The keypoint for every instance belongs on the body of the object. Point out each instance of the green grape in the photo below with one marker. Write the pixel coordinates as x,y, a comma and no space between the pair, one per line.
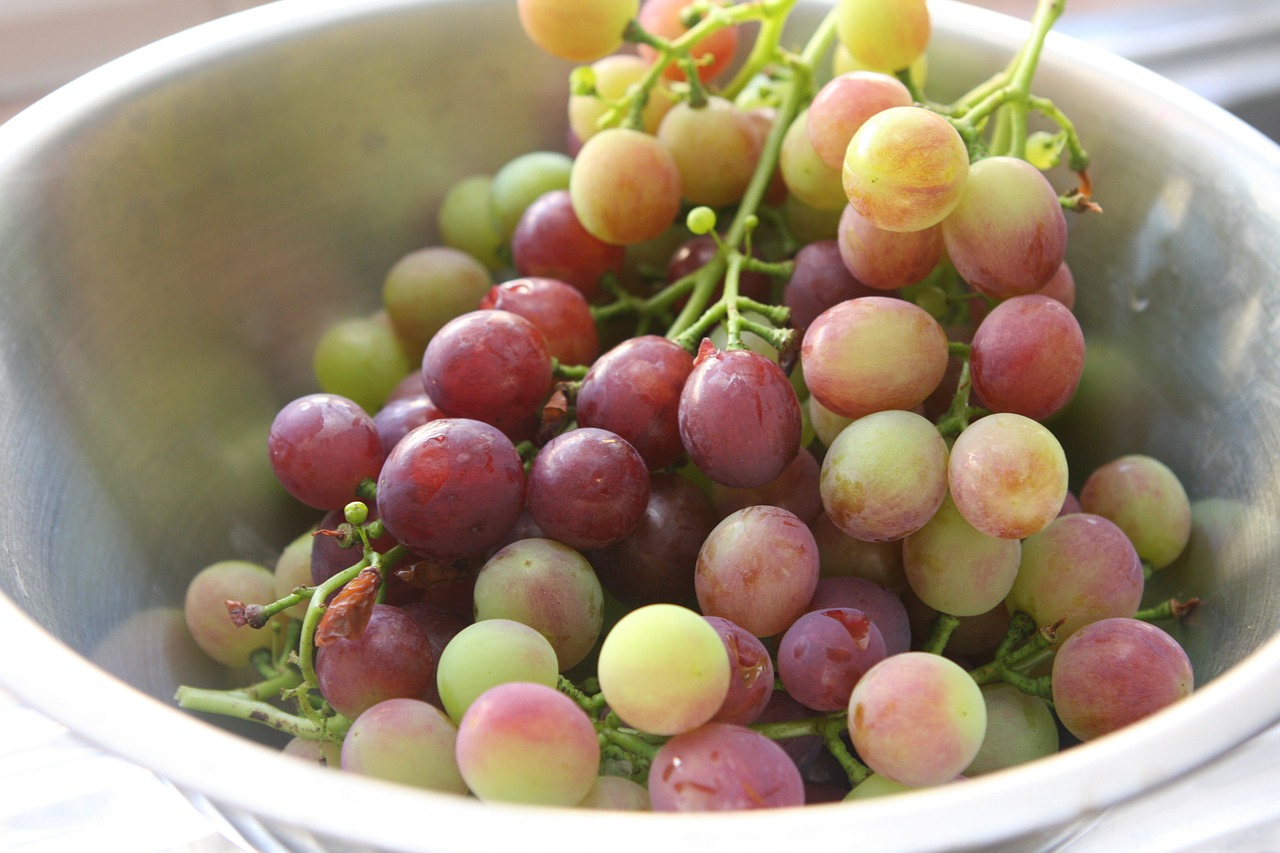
520,182
427,288
362,359
465,221
491,652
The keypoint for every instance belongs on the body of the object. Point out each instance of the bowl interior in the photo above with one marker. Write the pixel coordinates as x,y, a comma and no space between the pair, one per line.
177,227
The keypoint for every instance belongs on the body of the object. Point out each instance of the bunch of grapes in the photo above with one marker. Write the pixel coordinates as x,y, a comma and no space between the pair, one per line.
708,463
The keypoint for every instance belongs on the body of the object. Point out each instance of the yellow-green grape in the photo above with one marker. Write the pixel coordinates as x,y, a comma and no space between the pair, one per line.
361,359
466,223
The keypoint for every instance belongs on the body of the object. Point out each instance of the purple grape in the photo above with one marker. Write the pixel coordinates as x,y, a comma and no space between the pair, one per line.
883,607
322,446
751,684
559,310
391,659
723,767
451,488
398,416
824,653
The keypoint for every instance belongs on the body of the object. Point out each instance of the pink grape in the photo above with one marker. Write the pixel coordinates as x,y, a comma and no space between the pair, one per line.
634,391
713,148
917,718
843,104
905,169
1008,234
490,366
713,54
804,173
399,416
723,767
577,30
557,309
626,185
1145,499
521,742
795,489
548,586
407,741
887,260
873,353
758,569
957,569
824,653
391,659
751,674
884,476
550,242
1027,356
739,417
588,488
1008,475
451,488
612,76
321,447
1115,672
882,606
1079,569
205,610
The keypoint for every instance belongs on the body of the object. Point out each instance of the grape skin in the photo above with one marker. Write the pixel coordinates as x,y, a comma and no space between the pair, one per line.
884,35
956,568
205,611
321,447
1145,498
825,652
751,670
1027,356
391,659
626,186
490,652
557,309
721,767
577,30
714,148
406,741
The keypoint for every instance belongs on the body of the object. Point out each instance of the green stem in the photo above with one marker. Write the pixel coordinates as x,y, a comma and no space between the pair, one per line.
230,703
852,767
765,47
944,625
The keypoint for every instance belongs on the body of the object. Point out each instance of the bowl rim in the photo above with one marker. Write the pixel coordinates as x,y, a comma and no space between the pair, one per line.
1051,792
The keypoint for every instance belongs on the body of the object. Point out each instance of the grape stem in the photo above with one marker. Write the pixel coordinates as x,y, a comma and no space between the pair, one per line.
944,625
1023,647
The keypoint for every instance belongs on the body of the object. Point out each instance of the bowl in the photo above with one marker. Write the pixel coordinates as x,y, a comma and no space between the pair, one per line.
177,226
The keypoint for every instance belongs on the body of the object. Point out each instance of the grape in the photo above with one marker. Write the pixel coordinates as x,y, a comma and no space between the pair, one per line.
521,182
843,104
758,569
739,417
826,423
391,659
663,669
809,224
751,674
1008,475
626,185
451,488
807,177
360,358
521,742
873,353
713,53
715,150
557,309
548,586
321,447
490,366
324,753
1008,234
1061,286
634,390
905,169
1020,728
1079,569
917,718
824,653
465,221
723,767
488,653
655,562
887,260
293,570
205,610
1146,500
441,623
883,35
957,569
883,607
406,741
612,76
876,785
577,30
795,490
427,288
884,476
588,488
398,417
818,281
330,554
550,242
841,555
617,794
1115,672
1027,356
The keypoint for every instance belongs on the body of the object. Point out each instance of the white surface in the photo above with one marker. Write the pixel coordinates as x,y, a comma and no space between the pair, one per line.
59,794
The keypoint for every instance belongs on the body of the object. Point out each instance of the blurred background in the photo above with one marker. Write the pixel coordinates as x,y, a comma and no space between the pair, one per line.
1225,50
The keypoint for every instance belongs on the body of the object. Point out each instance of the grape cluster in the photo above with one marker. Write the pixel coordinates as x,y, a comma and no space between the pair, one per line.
709,463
